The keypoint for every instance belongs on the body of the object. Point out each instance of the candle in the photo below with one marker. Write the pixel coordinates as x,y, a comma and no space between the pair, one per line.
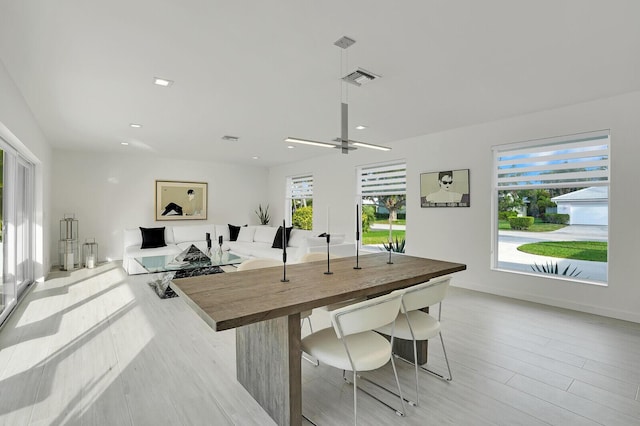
90,261
220,240
328,221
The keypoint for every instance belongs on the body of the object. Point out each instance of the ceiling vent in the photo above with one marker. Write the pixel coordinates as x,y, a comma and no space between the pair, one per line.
230,138
360,76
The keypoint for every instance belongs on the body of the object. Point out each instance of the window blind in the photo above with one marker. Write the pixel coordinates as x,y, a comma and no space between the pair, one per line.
380,180
569,161
300,187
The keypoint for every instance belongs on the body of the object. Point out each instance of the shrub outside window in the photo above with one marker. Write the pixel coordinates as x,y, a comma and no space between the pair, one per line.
299,201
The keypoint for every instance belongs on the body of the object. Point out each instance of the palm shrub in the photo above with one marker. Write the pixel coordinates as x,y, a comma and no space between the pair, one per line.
302,218
263,215
398,247
552,268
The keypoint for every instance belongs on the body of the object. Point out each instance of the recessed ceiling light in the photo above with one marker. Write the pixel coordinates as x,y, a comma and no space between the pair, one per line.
361,127
162,82
124,143
255,157
290,146
135,125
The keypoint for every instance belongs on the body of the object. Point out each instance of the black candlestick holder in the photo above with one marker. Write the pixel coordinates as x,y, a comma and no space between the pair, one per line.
390,262
357,251
328,256
284,253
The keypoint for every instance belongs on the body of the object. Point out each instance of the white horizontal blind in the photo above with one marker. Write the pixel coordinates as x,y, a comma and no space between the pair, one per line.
569,161
381,180
300,187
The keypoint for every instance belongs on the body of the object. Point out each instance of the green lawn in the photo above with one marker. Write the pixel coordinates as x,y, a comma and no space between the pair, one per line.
594,251
536,227
381,236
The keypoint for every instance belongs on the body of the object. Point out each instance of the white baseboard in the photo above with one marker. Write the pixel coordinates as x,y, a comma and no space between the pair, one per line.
597,310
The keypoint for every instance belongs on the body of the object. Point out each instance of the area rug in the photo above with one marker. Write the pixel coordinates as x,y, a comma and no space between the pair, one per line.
162,286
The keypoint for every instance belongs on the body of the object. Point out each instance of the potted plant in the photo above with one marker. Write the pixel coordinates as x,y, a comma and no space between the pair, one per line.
263,215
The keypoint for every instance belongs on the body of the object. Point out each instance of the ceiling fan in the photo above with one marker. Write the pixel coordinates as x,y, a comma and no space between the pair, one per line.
343,142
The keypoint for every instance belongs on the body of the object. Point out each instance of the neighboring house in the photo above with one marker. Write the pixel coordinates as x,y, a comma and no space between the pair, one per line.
588,206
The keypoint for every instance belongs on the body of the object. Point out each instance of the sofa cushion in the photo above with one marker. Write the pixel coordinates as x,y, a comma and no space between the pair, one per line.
246,234
152,238
222,231
192,233
298,237
265,234
277,240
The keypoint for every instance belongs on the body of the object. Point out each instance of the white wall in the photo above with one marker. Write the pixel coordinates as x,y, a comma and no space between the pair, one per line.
464,234
20,129
109,193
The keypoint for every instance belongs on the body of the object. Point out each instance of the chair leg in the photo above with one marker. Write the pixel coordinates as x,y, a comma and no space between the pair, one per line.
355,398
425,369
446,358
415,364
310,359
398,412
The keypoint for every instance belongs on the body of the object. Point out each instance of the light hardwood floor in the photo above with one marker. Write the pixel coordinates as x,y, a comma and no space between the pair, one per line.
96,347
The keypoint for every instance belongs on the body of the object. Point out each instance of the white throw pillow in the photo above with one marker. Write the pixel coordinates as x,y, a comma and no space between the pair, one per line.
222,230
246,234
265,234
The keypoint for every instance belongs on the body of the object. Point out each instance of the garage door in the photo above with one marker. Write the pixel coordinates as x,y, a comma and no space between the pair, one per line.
589,214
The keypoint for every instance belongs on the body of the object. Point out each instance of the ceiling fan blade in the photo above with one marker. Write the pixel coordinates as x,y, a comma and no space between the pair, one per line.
311,142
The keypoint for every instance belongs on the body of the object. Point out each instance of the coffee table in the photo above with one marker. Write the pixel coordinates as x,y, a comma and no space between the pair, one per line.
153,264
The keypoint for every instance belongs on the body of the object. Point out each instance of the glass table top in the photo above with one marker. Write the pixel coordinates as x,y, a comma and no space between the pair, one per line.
168,263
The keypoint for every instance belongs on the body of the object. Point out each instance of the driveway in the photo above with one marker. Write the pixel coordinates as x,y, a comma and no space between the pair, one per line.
511,258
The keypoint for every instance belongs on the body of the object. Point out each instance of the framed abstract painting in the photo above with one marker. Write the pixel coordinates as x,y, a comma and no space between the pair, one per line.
446,188
176,200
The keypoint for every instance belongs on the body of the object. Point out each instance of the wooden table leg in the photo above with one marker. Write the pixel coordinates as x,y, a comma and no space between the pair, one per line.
404,349
268,366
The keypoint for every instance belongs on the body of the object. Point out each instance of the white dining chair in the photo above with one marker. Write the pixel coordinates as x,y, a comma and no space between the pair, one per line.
317,256
351,344
414,324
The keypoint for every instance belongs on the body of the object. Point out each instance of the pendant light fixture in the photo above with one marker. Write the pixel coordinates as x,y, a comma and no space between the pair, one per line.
357,78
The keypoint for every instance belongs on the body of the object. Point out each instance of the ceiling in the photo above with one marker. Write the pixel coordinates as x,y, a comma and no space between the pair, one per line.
263,71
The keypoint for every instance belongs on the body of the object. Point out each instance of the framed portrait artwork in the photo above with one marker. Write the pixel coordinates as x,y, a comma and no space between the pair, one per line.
181,200
446,188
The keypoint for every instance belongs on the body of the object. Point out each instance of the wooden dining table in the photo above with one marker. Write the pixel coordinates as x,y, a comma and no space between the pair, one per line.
265,311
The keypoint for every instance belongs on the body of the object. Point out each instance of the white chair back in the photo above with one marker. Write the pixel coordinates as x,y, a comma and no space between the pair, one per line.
366,315
315,256
258,262
425,294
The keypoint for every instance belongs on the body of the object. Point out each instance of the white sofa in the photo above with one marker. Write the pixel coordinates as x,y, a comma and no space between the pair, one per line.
253,241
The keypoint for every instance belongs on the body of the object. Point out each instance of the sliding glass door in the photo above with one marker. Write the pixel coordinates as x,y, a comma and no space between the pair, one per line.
16,200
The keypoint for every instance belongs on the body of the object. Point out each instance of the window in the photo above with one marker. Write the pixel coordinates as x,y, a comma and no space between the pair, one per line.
382,189
300,201
16,210
551,199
